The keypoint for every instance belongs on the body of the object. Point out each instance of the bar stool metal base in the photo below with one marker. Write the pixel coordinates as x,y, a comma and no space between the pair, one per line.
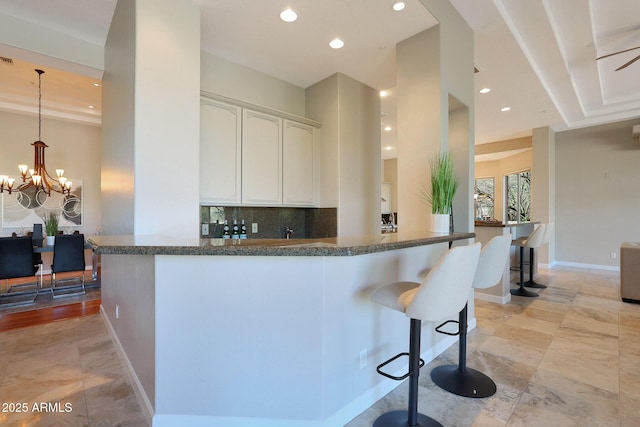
399,419
532,283
470,383
522,292
535,285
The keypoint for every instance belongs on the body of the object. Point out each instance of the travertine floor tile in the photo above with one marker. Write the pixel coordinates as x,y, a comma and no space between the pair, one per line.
68,374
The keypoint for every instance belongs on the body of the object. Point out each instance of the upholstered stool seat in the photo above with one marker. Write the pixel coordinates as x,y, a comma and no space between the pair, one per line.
442,294
532,241
460,379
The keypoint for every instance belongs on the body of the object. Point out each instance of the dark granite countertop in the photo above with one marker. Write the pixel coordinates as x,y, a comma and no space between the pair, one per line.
500,224
336,246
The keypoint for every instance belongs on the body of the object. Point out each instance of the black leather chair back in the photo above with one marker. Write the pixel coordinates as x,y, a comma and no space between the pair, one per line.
68,253
16,257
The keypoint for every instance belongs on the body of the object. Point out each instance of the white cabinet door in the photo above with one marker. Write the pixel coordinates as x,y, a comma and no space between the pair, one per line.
261,158
297,164
220,152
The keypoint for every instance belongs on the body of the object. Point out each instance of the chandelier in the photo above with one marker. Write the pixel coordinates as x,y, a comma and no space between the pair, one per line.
38,179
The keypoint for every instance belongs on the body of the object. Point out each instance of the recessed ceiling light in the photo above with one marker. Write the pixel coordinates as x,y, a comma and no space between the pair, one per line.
96,84
505,109
383,93
387,128
288,15
91,106
336,43
485,90
389,148
399,5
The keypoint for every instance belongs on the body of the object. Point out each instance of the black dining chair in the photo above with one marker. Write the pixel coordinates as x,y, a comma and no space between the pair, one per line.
68,256
18,260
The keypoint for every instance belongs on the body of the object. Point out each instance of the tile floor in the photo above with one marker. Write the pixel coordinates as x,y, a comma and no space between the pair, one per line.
568,358
72,363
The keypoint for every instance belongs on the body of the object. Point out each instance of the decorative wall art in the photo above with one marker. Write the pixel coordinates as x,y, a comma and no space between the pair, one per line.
23,209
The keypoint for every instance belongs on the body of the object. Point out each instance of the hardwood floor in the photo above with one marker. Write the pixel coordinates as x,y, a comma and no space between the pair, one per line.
42,313
40,316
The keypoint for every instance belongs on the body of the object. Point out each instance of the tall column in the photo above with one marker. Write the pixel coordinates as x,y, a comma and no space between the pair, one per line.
435,113
419,130
150,131
543,184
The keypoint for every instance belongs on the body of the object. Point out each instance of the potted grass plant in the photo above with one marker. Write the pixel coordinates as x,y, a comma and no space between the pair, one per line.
51,227
443,189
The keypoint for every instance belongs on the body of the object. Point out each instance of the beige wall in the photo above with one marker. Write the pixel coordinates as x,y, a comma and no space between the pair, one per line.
597,193
72,146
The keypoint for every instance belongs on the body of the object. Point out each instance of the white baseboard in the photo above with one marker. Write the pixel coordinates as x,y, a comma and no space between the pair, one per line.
145,404
585,266
492,298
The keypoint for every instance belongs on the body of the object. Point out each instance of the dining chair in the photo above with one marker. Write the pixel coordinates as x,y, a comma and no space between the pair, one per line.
17,260
68,256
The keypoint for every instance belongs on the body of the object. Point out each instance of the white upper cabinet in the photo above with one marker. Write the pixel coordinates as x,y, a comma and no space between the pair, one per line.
220,152
261,159
298,172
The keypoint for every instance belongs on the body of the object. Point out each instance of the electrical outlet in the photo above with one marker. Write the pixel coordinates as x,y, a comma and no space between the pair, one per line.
363,358
117,311
254,227
614,255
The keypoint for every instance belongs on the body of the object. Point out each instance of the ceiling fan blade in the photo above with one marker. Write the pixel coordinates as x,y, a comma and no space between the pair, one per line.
628,63
617,53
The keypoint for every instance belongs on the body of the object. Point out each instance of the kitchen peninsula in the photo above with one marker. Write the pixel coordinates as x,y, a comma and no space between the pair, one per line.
269,332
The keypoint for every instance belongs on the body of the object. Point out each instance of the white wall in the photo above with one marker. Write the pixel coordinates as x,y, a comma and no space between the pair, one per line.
597,187
27,40
432,67
390,174
72,146
151,119
134,325
167,118
245,84
349,151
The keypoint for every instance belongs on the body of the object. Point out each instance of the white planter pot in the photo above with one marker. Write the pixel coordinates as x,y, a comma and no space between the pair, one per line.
439,223
51,240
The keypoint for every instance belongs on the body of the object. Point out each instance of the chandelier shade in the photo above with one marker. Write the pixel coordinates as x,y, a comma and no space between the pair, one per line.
37,179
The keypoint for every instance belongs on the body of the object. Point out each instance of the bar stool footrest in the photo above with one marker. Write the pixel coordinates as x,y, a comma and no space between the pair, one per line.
386,362
453,334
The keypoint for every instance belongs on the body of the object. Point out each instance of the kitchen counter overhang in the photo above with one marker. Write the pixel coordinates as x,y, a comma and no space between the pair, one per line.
333,246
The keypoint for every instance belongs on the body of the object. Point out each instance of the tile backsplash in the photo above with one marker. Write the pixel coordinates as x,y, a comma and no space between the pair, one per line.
272,222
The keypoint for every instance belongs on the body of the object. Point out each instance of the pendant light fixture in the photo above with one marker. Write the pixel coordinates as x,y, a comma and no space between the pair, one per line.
38,179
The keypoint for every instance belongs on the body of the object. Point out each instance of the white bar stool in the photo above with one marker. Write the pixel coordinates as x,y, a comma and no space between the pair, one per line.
459,379
442,294
548,231
532,241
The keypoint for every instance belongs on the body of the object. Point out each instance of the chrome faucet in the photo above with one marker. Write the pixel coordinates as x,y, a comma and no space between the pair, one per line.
288,231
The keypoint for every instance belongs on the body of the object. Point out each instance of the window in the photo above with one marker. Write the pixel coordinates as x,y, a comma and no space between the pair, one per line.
483,195
518,196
